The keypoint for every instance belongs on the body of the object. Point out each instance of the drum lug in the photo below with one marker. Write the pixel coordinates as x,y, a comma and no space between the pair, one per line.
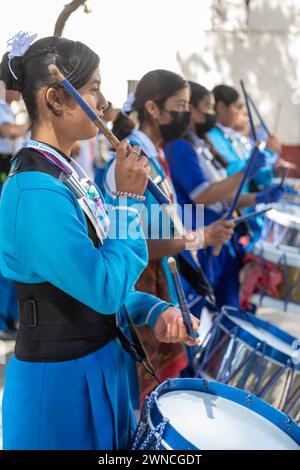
288,422
249,398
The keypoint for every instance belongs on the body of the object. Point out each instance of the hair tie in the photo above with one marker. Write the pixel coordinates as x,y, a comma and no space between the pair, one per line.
17,46
128,105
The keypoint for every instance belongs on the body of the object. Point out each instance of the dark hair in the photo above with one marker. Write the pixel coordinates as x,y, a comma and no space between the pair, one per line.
198,92
225,93
158,86
123,126
76,60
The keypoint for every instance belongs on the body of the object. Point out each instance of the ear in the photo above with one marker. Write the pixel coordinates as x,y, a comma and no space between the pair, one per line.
152,109
56,99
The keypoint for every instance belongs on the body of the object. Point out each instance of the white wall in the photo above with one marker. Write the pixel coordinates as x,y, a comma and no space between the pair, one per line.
266,57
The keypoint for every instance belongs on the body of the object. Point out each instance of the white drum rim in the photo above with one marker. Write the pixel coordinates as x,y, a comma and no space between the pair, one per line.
271,253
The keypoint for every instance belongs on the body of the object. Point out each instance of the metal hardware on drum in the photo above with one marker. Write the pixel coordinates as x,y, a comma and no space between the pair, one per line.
249,353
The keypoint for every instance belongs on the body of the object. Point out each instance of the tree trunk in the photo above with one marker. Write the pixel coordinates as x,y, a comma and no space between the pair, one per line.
64,16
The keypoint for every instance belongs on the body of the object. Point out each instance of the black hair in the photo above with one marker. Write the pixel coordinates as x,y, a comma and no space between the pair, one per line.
157,85
74,59
123,125
198,92
226,94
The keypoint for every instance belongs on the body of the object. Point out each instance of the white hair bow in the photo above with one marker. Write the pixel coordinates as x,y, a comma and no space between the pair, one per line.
18,45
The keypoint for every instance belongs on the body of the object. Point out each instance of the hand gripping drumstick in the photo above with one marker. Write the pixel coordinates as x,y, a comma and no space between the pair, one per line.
53,70
185,311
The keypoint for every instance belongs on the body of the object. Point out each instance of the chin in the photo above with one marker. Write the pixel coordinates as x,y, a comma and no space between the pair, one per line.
87,134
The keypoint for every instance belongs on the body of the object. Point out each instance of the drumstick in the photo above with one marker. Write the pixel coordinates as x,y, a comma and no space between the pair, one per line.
262,122
185,311
53,70
245,217
283,175
277,117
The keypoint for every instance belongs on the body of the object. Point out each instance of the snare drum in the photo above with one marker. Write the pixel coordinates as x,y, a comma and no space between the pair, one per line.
247,352
193,414
287,259
282,225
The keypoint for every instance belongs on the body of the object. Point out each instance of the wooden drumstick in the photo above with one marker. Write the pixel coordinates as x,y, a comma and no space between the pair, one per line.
185,311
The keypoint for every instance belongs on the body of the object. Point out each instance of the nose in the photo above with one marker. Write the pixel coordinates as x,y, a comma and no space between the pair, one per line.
101,103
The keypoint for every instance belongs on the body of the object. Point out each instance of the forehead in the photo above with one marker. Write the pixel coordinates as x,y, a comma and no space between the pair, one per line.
95,76
181,95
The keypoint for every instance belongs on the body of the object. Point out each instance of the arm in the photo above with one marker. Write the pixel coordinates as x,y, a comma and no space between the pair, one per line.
145,308
220,190
52,241
159,248
247,200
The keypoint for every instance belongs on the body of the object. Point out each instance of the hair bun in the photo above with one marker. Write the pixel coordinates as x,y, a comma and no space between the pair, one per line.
6,75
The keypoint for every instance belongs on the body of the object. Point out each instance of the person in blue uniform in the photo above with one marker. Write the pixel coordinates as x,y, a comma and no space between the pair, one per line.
199,177
161,102
231,144
10,133
67,387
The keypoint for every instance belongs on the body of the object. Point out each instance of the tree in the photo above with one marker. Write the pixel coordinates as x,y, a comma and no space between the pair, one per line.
66,13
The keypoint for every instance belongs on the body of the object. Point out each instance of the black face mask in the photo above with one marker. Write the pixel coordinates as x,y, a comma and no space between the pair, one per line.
180,121
203,128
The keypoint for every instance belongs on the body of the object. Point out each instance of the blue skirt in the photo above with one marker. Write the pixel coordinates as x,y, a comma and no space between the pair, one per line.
79,404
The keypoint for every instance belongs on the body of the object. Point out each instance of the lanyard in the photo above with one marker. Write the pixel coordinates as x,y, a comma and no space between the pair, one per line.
86,192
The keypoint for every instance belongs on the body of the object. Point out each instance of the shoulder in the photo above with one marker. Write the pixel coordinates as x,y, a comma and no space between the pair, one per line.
215,131
35,178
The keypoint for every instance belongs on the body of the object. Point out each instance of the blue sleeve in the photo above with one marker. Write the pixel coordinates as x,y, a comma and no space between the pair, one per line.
220,143
51,239
185,169
145,308
236,166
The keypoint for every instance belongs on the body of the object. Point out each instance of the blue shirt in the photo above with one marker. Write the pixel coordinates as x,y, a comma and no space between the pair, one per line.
44,237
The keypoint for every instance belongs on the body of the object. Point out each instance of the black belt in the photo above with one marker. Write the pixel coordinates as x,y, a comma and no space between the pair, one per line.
56,327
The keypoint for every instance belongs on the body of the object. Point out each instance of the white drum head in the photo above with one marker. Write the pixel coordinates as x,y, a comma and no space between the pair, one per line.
210,422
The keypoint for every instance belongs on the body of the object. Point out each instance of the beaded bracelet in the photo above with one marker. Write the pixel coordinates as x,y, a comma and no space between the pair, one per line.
126,194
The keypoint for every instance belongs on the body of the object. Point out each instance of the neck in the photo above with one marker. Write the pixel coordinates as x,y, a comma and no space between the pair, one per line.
223,121
192,127
153,133
48,136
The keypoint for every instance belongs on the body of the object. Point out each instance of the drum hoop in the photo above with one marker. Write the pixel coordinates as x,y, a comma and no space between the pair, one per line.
274,254
269,351
292,224
172,438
